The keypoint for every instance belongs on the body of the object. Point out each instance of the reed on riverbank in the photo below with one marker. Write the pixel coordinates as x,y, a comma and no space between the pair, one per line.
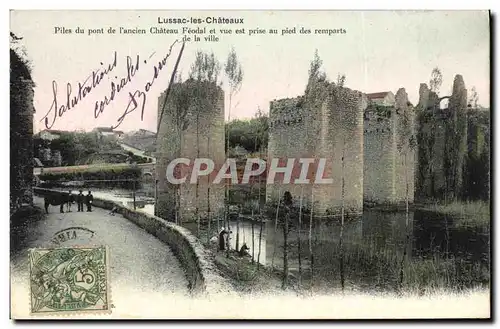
471,213
369,268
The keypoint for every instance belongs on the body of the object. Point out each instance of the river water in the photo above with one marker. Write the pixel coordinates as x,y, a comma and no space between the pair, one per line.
380,250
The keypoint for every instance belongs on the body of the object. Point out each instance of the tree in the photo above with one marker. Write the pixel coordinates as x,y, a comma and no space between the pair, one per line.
341,80
299,242
251,134
205,69
436,80
311,254
315,73
261,224
276,225
473,98
21,125
287,202
234,75
342,221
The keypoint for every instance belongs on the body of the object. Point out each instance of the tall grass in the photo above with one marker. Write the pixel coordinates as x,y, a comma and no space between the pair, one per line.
472,213
368,267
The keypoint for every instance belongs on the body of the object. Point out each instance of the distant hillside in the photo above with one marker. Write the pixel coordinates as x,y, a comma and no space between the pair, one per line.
141,139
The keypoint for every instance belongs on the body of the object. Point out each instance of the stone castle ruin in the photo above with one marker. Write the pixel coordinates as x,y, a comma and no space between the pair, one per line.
192,126
325,123
379,148
453,147
392,151
389,150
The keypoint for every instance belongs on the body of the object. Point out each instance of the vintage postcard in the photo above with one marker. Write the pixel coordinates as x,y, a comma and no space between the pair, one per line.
250,164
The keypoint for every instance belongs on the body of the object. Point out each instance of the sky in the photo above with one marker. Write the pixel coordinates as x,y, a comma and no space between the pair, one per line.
379,51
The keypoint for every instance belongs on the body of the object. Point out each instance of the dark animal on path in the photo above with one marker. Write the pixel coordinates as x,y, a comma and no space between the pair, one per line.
55,200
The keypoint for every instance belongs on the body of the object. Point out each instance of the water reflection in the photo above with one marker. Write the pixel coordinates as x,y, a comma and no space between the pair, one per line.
438,253
251,240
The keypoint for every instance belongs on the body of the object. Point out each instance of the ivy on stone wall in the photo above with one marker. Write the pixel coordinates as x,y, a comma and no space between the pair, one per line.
453,159
21,127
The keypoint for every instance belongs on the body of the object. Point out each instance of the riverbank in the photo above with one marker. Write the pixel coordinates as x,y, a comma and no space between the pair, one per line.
472,213
246,277
465,213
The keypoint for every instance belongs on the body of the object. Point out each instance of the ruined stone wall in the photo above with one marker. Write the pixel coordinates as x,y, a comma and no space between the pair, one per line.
379,155
406,144
343,147
192,127
431,124
442,144
287,139
456,140
389,150
327,123
477,178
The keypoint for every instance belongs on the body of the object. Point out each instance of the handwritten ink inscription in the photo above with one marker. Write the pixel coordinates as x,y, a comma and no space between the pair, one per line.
136,99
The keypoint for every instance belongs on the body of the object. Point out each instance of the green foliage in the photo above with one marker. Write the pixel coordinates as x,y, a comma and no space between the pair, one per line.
374,269
205,67
381,110
21,125
436,80
234,72
315,68
200,90
109,177
473,98
341,80
476,213
76,147
475,151
182,98
316,76
251,134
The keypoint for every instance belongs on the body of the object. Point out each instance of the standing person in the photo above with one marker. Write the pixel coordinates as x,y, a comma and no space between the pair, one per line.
223,238
89,198
71,199
79,199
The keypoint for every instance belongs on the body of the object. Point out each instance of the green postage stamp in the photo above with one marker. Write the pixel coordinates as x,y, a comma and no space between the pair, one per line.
67,280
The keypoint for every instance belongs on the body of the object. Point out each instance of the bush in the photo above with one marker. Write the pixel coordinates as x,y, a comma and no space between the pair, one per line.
104,177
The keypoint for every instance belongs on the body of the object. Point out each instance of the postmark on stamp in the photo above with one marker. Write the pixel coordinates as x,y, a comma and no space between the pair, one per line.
69,280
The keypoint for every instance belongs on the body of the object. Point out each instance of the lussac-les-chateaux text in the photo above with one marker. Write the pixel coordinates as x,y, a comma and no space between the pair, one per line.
200,20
